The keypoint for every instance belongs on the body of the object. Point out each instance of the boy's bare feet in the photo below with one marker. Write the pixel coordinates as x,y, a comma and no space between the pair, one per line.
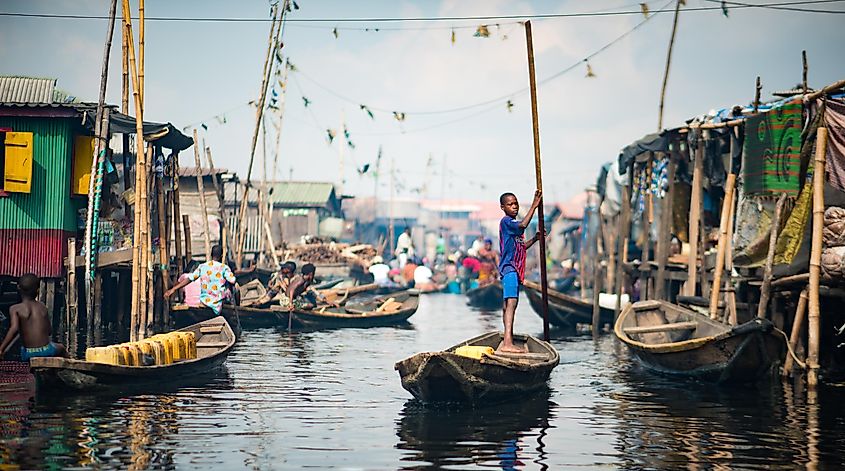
511,349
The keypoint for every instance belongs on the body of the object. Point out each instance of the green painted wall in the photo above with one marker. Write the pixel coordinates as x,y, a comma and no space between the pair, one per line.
49,205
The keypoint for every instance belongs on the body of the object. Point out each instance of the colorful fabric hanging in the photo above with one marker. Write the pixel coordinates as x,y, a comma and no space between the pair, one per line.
772,152
834,120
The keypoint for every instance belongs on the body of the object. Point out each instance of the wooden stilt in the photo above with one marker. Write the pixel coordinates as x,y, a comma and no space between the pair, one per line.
621,248
201,190
766,288
694,218
98,305
814,326
186,226
722,247
665,233
177,215
795,334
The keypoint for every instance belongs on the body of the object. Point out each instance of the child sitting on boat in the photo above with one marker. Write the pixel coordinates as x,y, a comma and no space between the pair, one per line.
512,245
300,292
213,276
30,319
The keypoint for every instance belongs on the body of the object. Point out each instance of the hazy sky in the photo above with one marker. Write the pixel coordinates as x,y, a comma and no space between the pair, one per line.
197,70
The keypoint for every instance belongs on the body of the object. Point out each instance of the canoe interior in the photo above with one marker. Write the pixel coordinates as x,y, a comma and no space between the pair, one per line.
488,296
215,339
681,324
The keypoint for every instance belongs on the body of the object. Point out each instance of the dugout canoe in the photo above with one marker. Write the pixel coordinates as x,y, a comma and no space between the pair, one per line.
366,314
185,316
676,341
447,377
215,339
488,296
564,310
256,317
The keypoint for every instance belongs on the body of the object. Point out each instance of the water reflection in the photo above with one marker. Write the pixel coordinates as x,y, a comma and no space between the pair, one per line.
507,435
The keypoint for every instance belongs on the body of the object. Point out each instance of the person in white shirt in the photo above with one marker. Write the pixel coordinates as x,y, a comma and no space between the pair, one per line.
404,247
380,271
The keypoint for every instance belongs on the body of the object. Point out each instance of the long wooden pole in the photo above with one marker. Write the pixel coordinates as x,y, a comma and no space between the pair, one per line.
694,218
95,177
225,242
668,64
539,176
201,190
621,242
766,288
177,215
259,114
140,169
141,43
146,255
814,326
186,227
665,233
721,248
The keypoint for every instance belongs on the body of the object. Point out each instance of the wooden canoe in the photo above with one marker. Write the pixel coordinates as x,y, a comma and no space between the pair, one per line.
256,317
185,316
360,315
673,340
215,339
448,377
488,296
564,310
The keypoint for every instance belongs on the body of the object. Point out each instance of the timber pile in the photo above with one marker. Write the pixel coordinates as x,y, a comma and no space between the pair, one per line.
332,253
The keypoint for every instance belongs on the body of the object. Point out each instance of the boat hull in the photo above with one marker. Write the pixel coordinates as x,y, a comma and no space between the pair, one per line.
364,318
186,316
60,374
434,377
486,297
565,311
257,318
672,340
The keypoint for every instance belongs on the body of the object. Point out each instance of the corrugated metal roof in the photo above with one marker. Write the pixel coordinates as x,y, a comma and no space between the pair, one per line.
310,194
27,90
32,251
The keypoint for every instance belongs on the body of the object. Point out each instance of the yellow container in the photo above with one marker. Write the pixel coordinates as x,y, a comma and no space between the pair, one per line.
110,355
125,354
474,351
149,348
190,342
135,354
170,347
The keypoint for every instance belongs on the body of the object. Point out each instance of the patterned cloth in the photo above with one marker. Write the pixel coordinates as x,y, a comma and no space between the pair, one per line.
213,276
772,152
512,248
834,120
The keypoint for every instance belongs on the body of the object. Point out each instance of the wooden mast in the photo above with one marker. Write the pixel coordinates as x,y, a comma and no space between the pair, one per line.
539,177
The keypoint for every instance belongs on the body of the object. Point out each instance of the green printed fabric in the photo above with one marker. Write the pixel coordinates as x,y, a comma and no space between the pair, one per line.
792,235
771,157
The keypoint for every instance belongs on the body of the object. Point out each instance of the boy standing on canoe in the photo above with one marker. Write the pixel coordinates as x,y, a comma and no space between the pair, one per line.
31,320
512,246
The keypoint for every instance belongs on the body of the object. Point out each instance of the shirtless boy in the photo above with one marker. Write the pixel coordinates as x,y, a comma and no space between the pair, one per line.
512,246
30,319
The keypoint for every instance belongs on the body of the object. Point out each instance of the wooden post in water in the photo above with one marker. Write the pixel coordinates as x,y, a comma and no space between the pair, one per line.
694,215
140,171
795,335
177,215
201,190
186,225
539,176
766,288
664,238
814,326
621,243
721,249
71,295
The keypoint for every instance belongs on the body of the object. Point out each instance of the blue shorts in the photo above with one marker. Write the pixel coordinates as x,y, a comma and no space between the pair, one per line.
48,350
510,285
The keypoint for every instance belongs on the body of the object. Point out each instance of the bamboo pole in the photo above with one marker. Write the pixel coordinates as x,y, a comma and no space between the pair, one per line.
539,177
201,190
95,177
71,293
140,169
757,89
146,249
177,214
814,326
186,226
259,114
766,288
164,259
218,190
665,236
795,334
596,277
721,248
804,71
621,242
668,63
694,218
730,293
141,42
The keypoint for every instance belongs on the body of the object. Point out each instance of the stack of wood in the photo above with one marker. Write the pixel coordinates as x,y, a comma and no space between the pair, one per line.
391,305
326,254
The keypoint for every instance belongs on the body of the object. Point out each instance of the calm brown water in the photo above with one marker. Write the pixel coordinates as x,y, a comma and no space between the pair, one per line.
331,400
